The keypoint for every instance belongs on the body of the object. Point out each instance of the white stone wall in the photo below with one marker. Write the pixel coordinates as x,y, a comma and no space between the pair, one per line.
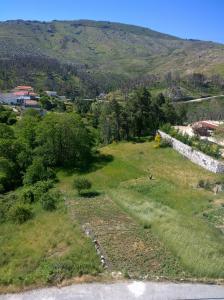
195,156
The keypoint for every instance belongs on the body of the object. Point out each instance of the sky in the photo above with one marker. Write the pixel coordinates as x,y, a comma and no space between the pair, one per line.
197,19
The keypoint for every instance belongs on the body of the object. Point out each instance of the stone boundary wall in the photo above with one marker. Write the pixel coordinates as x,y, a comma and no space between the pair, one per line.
199,158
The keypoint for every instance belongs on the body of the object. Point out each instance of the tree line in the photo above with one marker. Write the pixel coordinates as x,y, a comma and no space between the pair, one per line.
139,115
35,146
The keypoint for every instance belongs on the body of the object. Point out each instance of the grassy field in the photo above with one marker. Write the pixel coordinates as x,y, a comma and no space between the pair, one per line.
170,204
45,250
164,227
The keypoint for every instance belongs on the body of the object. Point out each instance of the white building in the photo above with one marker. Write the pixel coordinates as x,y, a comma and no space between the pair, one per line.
51,93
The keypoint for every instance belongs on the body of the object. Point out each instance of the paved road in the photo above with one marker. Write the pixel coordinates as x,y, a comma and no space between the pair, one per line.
201,99
124,291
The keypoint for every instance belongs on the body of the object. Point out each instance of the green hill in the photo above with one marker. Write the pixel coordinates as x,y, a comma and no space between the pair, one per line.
106,47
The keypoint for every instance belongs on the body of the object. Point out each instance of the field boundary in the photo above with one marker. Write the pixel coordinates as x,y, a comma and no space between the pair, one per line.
197,157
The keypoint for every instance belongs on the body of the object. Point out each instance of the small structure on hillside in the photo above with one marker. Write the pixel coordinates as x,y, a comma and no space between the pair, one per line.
51,93
30,104
19,95
205,128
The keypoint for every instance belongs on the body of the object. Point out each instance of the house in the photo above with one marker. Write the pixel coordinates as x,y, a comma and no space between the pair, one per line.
23,88
25,91
205,128
31,104
51,93
19,95
9,98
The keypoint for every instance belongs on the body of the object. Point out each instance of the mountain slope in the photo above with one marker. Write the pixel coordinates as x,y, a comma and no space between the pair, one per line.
107,47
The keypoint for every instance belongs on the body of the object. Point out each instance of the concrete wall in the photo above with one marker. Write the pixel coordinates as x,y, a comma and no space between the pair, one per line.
195,156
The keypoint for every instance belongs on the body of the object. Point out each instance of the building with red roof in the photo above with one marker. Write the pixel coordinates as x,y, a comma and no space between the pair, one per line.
24,88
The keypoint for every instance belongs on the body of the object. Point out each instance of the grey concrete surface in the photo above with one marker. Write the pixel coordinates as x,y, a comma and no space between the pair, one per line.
124,291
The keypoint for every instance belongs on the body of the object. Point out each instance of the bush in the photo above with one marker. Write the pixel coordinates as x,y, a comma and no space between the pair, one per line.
49,201
41,187
81,184
37,172
201,183
205,184
165,144
158,140
6,202
27,196
20,213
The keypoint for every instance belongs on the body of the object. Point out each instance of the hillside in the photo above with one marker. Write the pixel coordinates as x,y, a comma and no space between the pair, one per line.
109,48
161,228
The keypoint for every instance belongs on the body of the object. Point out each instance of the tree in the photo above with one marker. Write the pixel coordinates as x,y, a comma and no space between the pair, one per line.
170,115
27,126
64,140
110,122
140,112
6,132
38,171
81,184
7,115
7,175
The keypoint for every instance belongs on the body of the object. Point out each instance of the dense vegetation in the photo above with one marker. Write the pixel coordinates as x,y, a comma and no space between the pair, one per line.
34,146
86,58
139,115
109,48
44,73
39,243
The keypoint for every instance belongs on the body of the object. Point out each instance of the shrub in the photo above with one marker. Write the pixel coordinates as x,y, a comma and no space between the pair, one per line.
205,184
28,196
6,202
49,201
20,213
201,183
81,184
41,187
37,171
158,140
165,144
59,270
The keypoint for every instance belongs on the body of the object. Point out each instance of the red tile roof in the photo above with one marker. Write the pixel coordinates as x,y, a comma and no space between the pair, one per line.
208,125
24,87
21,93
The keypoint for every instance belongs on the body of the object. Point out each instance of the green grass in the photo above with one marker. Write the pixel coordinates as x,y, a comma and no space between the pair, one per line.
45,250
161,227
171,203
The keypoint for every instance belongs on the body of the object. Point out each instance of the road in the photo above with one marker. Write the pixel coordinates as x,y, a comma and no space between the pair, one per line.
202,99
129,290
